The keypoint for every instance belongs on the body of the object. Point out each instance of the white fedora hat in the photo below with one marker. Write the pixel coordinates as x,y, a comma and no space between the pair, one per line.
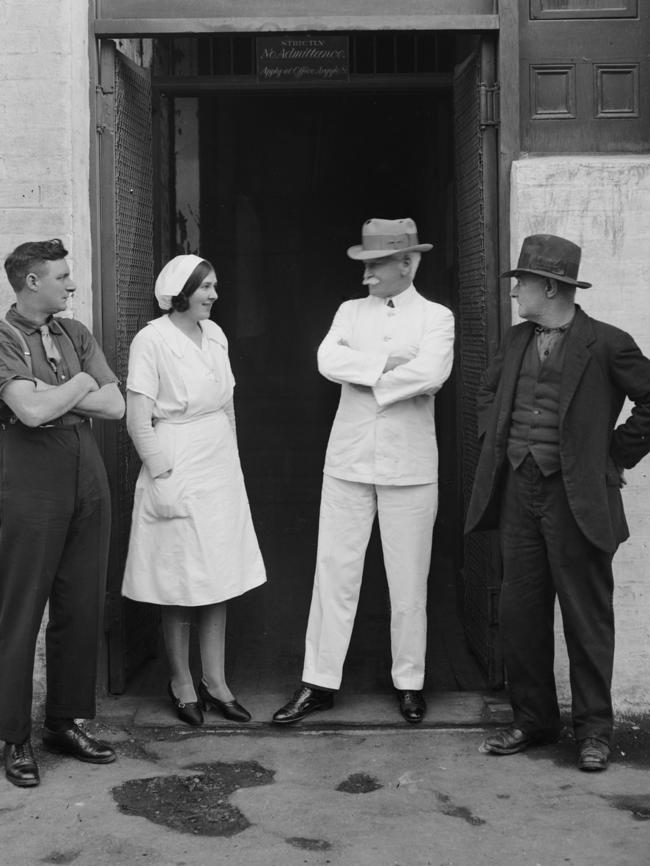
381,238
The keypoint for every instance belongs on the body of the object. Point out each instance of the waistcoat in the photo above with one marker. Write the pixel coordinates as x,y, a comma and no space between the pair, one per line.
534,426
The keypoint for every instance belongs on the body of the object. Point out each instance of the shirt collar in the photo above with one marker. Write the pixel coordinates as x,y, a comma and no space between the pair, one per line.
403,299
177,341
173,336
27,325
561,329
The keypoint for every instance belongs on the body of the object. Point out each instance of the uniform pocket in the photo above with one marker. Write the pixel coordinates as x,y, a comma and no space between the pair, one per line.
167,498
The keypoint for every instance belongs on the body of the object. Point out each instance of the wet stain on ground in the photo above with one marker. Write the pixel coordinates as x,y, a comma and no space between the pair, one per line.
637,804
308,844
359,783
447,807
61,857
198,803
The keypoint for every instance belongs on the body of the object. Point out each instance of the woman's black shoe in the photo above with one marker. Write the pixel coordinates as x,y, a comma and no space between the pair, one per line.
189,713
229,709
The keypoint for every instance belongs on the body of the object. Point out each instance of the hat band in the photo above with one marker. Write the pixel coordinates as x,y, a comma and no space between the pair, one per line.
554,266
388,242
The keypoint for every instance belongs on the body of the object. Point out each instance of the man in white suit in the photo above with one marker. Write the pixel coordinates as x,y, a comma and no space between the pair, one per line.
390,352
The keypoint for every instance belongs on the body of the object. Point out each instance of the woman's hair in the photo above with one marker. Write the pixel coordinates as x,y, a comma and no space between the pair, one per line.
180,302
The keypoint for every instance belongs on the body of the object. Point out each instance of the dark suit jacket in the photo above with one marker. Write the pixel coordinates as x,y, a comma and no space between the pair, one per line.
602,366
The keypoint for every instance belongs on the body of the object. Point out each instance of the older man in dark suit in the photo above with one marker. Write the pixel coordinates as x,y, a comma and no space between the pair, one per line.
549,477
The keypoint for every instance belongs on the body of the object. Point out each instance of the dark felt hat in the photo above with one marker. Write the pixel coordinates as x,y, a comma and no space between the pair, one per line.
549,256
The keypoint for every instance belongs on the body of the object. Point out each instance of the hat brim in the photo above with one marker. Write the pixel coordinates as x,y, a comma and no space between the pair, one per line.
515,273
360,254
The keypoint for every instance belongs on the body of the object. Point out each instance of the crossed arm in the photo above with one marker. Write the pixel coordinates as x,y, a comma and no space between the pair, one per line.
406,372
40,403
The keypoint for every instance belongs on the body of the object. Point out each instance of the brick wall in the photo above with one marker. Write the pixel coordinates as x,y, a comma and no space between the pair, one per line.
603,204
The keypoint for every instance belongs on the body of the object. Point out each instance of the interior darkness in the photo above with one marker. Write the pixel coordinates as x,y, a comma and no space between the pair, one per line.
286,182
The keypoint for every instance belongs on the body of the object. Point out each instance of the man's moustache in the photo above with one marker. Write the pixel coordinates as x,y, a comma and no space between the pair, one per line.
371,281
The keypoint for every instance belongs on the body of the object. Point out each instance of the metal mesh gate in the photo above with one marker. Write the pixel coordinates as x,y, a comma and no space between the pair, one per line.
475,234
127,299
134,267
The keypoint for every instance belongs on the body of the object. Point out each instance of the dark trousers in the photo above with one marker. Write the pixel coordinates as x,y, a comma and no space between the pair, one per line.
54,533
546,555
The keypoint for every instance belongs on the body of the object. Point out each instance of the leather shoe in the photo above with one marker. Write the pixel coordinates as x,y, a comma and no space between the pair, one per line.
20,765
593,755
232,710
73,741
189,713
305,701
509,741
412,705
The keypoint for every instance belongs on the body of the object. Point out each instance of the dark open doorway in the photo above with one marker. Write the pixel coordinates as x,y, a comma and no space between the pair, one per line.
286,179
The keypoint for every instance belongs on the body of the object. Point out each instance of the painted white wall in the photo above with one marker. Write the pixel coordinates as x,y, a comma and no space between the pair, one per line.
602,203
44,135
44,149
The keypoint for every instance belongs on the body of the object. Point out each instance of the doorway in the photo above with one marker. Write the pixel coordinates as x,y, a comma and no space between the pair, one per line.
286,180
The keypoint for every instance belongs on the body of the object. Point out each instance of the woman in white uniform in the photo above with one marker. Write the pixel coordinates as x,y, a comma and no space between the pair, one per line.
192,545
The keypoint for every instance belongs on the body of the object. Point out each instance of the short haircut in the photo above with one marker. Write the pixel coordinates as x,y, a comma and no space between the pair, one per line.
30,257
181,301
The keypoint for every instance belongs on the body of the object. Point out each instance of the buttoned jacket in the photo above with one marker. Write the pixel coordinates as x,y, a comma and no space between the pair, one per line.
384,429
602,366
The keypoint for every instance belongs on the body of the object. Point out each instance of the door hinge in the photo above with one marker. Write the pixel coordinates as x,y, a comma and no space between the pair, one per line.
489,105
104,109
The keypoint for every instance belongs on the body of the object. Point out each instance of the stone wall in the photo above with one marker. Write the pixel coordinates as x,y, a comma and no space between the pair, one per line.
603,204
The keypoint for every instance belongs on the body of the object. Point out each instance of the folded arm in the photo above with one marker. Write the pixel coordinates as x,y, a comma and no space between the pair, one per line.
339,363
106,403
33,405
427,371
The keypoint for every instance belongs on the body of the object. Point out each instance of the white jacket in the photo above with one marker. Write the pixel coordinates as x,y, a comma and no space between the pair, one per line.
384,429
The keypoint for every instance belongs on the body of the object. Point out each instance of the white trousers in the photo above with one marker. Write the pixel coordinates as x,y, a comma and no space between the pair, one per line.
406,518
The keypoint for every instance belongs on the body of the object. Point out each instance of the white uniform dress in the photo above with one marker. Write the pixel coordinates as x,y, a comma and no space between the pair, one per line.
192,538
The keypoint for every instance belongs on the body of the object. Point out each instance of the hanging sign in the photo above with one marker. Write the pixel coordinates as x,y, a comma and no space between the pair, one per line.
298,58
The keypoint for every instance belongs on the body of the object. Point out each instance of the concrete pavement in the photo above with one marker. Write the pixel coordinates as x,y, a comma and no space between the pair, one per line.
323,793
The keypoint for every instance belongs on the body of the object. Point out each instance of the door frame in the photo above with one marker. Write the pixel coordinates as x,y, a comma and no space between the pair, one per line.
505,25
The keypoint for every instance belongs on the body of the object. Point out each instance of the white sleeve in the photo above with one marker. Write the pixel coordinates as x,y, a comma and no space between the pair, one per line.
340,363
143,376
138,425
428,371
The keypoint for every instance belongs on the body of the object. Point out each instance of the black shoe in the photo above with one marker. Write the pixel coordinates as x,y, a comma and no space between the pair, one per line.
20,765
509,741
593,755
412,705
232,710
305,701
73,741
189,713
